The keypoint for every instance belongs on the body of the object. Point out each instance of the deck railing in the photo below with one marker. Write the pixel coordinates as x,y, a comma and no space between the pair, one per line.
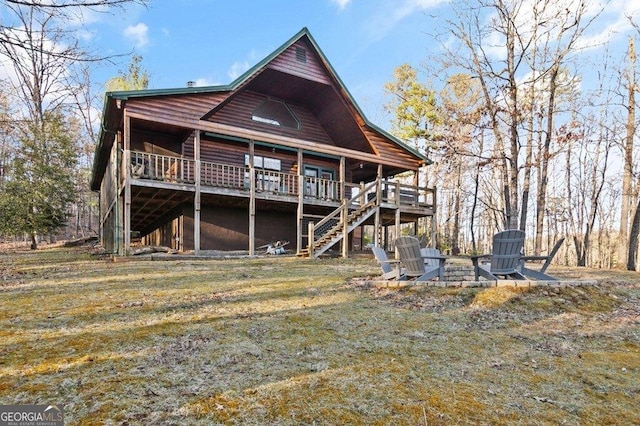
162,167
322,189
182,170
275,182
223,175
395,193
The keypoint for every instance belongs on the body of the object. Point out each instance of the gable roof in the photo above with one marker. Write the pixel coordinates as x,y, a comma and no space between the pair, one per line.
304,32
371,132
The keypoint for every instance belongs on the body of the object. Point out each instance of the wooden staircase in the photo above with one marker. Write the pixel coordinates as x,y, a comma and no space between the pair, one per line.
331,230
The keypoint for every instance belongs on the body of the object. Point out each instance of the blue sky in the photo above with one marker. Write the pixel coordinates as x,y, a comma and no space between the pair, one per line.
214,41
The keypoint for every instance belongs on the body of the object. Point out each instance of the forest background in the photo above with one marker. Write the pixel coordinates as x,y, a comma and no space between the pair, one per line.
517,139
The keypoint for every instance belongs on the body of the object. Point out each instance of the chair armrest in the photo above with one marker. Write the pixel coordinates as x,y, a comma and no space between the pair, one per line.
441,259
389,261
475,258
531,258
435,257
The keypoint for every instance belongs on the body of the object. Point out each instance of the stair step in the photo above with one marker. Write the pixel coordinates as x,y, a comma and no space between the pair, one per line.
335,233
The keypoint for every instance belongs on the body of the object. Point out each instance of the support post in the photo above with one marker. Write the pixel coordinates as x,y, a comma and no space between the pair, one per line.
311,231
398,223
127,184
252,200
434,224
345,212
300,215
377,220
118,230
196,202
345,228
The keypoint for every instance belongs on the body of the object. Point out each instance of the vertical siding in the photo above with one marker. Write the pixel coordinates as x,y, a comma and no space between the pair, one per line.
227,228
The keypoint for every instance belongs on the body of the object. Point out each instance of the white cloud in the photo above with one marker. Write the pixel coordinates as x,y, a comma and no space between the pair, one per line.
341,3
204,82
138,34
387,18
240,67
610,21
237,69
616,16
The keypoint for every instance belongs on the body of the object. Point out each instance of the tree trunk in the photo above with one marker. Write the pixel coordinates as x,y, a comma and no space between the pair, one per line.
633,240
541,202
455,237
627,196
511,193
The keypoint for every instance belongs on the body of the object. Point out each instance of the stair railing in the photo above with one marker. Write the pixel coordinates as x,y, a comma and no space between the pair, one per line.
341,214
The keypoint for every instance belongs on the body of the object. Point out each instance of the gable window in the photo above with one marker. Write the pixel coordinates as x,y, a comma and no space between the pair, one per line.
276,113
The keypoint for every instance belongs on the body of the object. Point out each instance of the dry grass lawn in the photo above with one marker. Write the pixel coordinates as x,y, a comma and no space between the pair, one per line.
288,341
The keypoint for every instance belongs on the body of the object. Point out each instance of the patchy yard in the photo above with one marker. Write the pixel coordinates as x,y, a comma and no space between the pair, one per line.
288,341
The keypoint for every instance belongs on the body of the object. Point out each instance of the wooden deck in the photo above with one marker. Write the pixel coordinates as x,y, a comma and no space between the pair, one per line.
178,174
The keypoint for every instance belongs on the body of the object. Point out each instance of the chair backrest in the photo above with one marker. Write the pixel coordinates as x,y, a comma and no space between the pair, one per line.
428,251
409,253
506,251
381,257
552,254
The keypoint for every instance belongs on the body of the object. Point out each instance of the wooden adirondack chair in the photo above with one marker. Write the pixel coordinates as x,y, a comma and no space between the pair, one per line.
505,257
540,274
414,262
390,267
431,256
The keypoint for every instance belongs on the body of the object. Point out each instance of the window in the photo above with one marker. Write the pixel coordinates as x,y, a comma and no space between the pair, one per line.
276,113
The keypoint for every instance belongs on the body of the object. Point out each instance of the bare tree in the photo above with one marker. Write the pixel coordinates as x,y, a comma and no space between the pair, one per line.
630,237
6,140
41,53
521,54
461,111
589,144
64,10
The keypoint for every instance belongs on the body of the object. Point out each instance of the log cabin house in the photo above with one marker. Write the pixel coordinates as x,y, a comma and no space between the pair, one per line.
281,153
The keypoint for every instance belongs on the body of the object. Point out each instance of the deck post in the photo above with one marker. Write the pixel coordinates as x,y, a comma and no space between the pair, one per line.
196,201
434,224
300,214
398,230
345,214
377,232
127,183
118,207
252,200
311,232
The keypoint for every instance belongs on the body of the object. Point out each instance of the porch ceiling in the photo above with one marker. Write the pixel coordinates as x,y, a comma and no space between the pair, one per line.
155,127
148,205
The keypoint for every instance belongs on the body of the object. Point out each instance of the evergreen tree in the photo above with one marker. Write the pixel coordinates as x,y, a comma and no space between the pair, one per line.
413,106
40,185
